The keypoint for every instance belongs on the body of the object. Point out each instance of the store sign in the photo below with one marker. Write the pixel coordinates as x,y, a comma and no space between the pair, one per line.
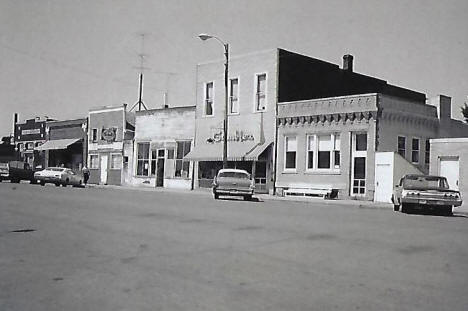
109,134
31,132
239,136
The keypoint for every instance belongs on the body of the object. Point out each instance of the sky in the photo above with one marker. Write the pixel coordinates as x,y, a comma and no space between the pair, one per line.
58,58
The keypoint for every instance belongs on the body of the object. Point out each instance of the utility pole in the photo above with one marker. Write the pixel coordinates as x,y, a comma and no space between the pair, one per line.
142,56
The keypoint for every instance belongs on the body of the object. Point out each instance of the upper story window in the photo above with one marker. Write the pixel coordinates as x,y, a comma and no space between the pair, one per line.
260,92
402,146
208,109
415,150
94,135
234,95
290,152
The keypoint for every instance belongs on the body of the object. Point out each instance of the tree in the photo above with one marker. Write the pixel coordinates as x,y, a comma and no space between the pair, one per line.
464,111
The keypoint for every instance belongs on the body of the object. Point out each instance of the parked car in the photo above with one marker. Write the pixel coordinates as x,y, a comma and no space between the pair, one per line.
233,182
59,176
421,192
15,171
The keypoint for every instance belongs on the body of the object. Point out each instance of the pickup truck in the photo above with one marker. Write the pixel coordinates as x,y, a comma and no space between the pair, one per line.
15,171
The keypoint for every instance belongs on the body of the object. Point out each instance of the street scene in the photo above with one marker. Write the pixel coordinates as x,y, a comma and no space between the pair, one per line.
233,155
122,249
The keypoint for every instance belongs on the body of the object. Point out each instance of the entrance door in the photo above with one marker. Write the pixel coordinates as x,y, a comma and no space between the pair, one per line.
160,168
104,168
160,173
359,156
383,182
449,168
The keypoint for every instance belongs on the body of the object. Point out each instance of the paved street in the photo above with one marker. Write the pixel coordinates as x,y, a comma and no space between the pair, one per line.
119,249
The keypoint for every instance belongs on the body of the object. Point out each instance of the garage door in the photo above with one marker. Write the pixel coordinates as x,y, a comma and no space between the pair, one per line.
449,168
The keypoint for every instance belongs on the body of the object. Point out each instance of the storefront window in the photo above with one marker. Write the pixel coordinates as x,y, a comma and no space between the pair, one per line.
428,152
116,161
336,151
310,151
290,152
154,160
361,142
182,166
94,161
143,159
324,151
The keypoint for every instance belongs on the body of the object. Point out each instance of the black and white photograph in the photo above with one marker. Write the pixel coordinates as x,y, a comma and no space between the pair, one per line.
216,155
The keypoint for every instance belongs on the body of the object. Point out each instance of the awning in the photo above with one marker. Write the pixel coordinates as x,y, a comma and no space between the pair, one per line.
236,152
57,144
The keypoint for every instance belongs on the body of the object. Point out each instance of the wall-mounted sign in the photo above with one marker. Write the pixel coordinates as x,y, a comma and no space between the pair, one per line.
31,132
109,134
239,136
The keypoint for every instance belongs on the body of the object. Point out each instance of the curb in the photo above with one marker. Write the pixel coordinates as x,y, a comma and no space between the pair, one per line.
264,197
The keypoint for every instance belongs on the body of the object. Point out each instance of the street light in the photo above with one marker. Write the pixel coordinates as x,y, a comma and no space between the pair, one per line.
205,37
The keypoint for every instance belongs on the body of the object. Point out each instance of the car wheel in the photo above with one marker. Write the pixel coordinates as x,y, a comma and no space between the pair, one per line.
404,208
248,197
42,183
216,196
448,211
57,184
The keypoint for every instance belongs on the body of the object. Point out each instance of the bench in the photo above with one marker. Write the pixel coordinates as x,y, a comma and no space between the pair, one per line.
325,191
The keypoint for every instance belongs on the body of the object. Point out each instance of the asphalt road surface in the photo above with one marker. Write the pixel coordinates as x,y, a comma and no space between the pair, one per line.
118,249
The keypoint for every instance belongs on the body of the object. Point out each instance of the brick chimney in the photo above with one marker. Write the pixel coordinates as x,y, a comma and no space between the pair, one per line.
348,62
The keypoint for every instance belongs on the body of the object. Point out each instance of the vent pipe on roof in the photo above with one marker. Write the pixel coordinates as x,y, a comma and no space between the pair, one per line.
348,62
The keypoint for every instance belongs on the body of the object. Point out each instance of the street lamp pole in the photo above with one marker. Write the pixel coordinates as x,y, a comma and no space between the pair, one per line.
226,96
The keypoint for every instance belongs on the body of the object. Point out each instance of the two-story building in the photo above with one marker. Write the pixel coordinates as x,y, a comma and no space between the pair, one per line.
29,135
110,144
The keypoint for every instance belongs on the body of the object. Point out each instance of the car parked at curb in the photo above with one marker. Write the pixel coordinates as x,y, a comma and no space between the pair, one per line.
425,192
59,176
16,171
233,182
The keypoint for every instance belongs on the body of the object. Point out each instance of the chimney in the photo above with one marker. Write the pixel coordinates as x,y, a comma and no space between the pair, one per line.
348,62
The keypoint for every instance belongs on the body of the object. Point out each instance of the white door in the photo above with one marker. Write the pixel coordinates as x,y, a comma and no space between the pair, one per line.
104,169
383,182
449,168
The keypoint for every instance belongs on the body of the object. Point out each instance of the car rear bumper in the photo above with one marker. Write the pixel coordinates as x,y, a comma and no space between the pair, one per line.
233,192
432,202
48,179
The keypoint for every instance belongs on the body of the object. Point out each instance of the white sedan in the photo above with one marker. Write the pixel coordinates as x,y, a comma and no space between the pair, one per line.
59,176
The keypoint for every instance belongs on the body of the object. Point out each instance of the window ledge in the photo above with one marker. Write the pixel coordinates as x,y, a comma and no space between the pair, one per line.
324,172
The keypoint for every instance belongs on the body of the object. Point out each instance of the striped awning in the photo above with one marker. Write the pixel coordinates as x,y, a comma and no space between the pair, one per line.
57,144
236,152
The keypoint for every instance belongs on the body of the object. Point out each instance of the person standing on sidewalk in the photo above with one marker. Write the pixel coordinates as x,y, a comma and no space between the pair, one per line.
85,171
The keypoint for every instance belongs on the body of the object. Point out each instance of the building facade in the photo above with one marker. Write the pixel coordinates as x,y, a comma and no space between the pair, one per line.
251,118
29,135
162,138
66,144
110,142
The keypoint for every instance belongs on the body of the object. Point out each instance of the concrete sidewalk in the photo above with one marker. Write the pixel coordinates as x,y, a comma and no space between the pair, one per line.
262,197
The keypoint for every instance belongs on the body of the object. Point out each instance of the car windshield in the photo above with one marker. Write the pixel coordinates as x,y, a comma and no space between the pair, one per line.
425,183
234,175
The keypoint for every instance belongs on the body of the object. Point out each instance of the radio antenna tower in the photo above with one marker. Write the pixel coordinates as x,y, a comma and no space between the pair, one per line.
142,56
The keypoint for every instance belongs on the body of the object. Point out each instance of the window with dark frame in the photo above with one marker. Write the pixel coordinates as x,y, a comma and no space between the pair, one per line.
402,146
182,166
209,99
94,135
427,155
310,151
290,152
361,142
415,150
143,159
233,95
260,93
